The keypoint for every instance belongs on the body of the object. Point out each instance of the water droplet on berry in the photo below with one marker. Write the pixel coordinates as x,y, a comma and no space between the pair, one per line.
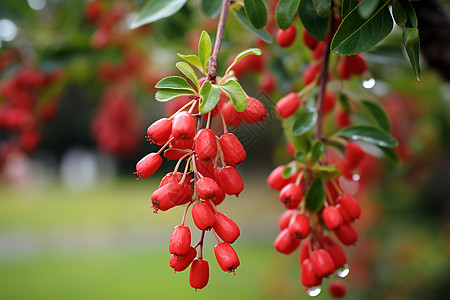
356,177
343,272
369,83
313,291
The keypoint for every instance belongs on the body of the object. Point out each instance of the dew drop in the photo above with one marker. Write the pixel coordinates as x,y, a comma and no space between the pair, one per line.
369,83
313,291
343,272
356,177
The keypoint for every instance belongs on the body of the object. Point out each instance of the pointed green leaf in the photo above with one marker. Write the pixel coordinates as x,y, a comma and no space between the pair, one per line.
174,82
366,8
412,17
211,8
413,53
322,7
315,196
347,7
356,34
285,13
378,114
390,154
164,95
204,50
288,171
193,60
344,102
210,94
304,121
317,151
251,51
261,33
187,70
233,89
410,36
399,13
256,12
316,25
368,134
326,172
155,10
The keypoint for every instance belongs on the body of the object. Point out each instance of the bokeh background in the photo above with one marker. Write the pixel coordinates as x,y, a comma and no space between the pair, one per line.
74,222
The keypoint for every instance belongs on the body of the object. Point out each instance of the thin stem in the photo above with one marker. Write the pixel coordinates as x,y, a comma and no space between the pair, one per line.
215,235
224,124
185,213
208,122
323,79
180,160
185,170
212,68
165,145
181,109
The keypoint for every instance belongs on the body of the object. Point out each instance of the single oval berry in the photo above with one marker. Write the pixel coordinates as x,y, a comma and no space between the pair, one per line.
309,40
276,179
285,218
288,105
317,52
181,262
342,119
148,165
332,218
254,112
286,38
267,83
205,167
230,181
337,289
346,234
226,257
308,276
304,252
183,127
226,228
337,254
203,216
230,115
205,144
285,242
350,205
299,226
233,151
199,273
291,195
322,262
351,65
170,195
160,131
180,240
220,196
345,217
310,73
353,155
182,143
206,188
329,101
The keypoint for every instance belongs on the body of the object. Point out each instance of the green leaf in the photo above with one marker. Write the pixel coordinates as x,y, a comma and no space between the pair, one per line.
368,134
256,12
378,114
155,10
174,82
317,151
288,171
316,25
304,121
187,70
326,172
210,94
366,8
164,95
344,102
204,50
301,143
413,53
399,13
356,34
322,7
211,8
285,13
193,60
261,33
315,196
251,51
412,17
236,93
347,7
391,155
410,36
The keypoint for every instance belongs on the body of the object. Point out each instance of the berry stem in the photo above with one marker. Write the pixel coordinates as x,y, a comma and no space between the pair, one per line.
215,236
181,109
177,166
185,213
185,170
212,68
208,122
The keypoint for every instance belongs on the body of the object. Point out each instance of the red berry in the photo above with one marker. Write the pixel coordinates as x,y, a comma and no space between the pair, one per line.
268,83
276,180
203,216
337,254
299,226
288,105
226,257
285,242
290,149
329,101
345,217
285,218
175,154
291,195
206,144
322,263
199,273
308,276
331,217
180,241
353,154
317,52
160,131
181,262
226,229
346,234
232,149
309,40
170,195
206,188
182,143
304,252
183,127
286,38
337,289
231,116
310,73
351,65
220,196
254,112
350,205
342,119
205,167
148,165
230,181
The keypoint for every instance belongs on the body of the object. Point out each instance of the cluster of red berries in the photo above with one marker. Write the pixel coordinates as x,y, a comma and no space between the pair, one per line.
320,255
209,175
